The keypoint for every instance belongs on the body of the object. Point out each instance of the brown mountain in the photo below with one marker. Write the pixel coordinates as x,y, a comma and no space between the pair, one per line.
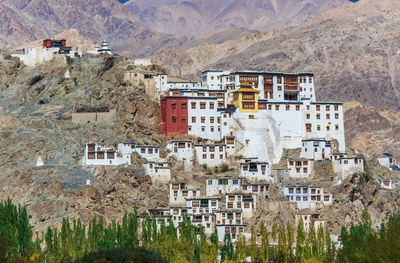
353,50
193,17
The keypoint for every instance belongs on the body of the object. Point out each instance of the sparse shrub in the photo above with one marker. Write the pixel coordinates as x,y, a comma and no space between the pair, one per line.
205,166
216,169
366,177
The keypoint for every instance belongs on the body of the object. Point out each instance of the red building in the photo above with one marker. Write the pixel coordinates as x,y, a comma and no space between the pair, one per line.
174,114
47,43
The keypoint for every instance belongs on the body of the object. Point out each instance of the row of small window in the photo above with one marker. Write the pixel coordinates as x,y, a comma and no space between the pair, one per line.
212,148
298,163
100,155
203,119
185,193
305,190
212,156
315,150
328,128
203,128
223,181
347,161
239,205
318,116
193,105
196,203
313,198
233,230
149,150
298,170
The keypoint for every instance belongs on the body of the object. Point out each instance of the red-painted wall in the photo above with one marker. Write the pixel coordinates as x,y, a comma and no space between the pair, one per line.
174,108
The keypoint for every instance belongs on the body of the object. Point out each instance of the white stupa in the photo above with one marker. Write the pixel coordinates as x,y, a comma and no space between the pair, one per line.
39,161
105,49
67,74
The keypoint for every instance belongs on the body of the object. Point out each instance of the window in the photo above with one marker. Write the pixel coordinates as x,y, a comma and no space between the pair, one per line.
326,198
270,107
305,190
175,193
318,107
173,105
239,205
318,116
305,198
185,193
298,190
100,155
328,116
308,116
150,151
337,127
91,156
336,107
246,205
212,156
290,190
298,170
202,105
183,105
212,128
183,119
298,198
305,163
193,105
193,119
328,128
211,119
204,156
248,105
211,105
310,80
173,118
143,150
203,119
308,127
235,181
212,149
219,120
203,128
277,107
297,107
290,162
328,108
305,170
213,203
204,149
288,107
318,127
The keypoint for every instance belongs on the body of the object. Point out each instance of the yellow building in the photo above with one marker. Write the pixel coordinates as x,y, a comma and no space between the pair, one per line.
246,99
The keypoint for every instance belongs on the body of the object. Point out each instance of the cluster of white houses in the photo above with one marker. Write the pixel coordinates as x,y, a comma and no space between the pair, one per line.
247,119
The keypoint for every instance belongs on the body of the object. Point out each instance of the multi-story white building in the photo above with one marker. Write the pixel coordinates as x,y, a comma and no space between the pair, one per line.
145,151
233,230
159,172
205,120
306,196
212,78
178,192
310,218
256,171
222,186
210,154
203,210
246,202
316,149
300,168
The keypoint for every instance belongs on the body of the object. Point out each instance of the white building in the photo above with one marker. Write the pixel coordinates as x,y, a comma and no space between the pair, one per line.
246,202
310,218
212,78
145,151
206,120
233,230
306,196
388,161
181,150
316,149
210,154
100,155
256,171
348,165
161,84
300,168
387,184
160,172
178,192
229,216
230,142
202,210
222,186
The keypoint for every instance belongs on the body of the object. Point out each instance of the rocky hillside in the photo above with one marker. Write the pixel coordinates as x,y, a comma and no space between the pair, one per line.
353,50
35,117
193,17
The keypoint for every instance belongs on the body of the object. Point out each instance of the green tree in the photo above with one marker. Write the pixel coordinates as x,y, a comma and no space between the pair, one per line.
240,252
227,248
264,243
253,246
300,240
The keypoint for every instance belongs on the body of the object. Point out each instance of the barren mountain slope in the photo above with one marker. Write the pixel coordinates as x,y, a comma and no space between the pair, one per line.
192,17
353,50
35,116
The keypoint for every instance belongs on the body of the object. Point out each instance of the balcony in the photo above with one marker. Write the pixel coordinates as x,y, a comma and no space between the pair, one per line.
291,87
